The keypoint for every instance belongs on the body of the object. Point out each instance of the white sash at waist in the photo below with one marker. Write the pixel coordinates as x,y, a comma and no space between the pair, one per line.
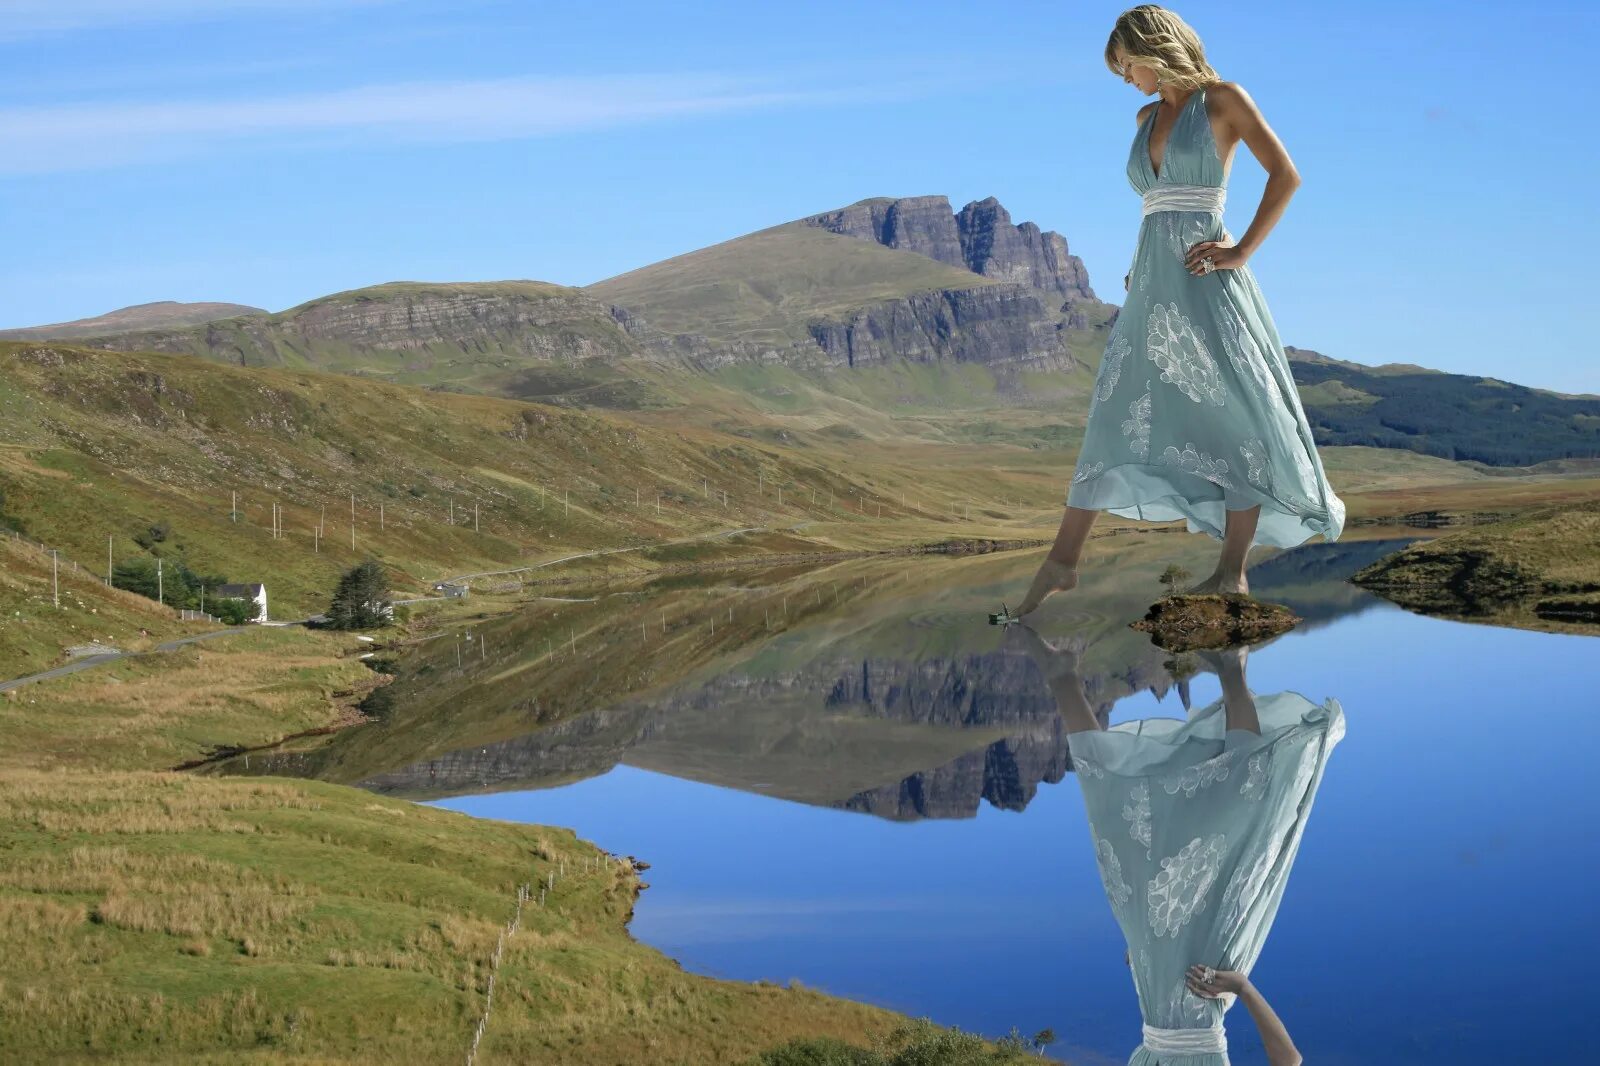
1175,197
1186,1041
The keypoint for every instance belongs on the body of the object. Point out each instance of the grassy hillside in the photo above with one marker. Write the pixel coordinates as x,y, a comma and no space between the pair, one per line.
42,613
1453,416
163,314
766,286
97,445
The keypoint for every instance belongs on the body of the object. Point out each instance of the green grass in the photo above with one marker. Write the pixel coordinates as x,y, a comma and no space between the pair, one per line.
154,916
765,287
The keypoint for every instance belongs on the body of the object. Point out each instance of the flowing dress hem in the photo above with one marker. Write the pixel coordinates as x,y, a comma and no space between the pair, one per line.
1153,492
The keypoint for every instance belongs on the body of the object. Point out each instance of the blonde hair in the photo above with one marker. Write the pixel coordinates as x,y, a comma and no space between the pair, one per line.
1155,37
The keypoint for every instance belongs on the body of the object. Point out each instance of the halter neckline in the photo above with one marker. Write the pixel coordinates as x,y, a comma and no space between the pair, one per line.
1150,129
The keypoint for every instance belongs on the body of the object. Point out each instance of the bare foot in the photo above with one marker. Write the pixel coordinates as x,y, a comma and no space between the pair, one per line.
1052,577
1217,583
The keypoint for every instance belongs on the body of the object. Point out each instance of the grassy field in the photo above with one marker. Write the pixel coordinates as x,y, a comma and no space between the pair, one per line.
149,916
157,711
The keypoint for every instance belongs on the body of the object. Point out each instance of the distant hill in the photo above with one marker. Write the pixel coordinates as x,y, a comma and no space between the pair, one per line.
523,339
1453,416
163,314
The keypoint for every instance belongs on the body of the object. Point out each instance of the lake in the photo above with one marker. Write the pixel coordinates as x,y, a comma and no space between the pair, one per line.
842,775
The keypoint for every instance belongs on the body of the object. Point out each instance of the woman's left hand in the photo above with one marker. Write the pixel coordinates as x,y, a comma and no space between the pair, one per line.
1224,256
1221,981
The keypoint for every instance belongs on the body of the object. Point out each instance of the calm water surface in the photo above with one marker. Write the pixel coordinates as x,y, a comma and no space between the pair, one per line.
857,783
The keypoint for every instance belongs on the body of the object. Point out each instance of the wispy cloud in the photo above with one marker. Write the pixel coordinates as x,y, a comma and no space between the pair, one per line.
34,18
48,138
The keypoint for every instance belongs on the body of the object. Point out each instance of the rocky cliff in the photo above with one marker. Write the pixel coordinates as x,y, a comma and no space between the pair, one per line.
414,325
1005,327
980,237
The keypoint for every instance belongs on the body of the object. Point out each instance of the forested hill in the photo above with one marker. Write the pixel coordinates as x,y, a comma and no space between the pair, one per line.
1452,416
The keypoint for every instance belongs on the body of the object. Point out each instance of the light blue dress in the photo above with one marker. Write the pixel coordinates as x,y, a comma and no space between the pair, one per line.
1194,409
1195,828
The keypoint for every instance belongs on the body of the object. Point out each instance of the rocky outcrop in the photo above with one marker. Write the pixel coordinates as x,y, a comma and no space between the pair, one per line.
1008,327
1007,774
995,325
519,321
981,238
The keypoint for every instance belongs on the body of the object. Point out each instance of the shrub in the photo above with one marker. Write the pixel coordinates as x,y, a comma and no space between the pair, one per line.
232,610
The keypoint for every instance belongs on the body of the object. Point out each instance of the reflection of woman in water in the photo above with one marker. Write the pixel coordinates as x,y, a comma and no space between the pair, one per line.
1195,826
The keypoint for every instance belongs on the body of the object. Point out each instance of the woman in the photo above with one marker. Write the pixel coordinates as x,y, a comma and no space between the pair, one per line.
1196,825
1194,413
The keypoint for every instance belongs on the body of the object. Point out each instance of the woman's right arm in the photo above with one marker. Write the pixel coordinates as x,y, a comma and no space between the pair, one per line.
1274,1037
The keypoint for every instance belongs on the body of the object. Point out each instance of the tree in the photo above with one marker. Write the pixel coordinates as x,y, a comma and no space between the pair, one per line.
1173,576
232,610
178,585
362,599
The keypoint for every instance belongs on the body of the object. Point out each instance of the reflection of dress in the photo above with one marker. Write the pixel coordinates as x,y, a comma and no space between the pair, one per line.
1194,409
1195,827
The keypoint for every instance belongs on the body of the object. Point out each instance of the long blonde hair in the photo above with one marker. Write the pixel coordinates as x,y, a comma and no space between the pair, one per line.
1157,38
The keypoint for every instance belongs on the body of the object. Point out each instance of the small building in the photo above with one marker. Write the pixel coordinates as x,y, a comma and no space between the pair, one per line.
454,592
252,592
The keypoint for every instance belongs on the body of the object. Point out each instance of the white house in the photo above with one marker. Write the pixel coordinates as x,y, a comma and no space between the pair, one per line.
252,592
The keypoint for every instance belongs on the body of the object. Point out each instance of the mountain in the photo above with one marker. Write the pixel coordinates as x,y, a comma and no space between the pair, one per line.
939,289
163,314
878,281
980,238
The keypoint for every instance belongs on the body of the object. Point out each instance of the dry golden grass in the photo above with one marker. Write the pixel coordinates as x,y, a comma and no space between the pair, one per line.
164,709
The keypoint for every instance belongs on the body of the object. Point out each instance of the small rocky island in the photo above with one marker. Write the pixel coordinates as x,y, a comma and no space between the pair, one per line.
1186,622
1539,570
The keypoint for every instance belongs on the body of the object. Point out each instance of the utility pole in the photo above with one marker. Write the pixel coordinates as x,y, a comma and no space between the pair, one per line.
233,510
108,558
474,516
352,521
380,517
55,580
161,596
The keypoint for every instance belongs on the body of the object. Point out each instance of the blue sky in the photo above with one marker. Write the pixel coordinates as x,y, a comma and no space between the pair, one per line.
270,151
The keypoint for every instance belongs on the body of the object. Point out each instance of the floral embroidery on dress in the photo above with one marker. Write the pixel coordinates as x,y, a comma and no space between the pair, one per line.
1245,354
1087,767
1183,231
1180,352
1136,812
1308,766
1180,888
1117,889
1139,425
1085,473
1255,781
1111,365
1184,1009
1193,778
1245,888
1255,456
1197,462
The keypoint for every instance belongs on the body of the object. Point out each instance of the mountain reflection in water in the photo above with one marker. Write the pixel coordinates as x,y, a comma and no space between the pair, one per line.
765,739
